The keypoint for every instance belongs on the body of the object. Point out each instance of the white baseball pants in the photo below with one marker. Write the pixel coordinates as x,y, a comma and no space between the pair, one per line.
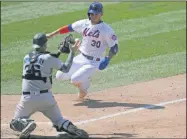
80,72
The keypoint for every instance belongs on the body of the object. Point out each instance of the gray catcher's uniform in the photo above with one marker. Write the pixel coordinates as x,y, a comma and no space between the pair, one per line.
36,92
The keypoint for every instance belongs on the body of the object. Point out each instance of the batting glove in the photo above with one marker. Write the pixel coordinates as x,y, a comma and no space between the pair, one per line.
104,63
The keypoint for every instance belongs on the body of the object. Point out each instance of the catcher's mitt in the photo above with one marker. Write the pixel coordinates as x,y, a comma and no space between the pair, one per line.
65,43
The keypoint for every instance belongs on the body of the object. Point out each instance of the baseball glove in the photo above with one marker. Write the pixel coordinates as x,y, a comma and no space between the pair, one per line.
65,43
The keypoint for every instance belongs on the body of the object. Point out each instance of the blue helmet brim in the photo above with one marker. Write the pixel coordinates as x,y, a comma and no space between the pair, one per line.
93,12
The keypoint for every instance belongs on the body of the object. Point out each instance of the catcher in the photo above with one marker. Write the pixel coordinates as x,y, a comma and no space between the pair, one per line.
37,84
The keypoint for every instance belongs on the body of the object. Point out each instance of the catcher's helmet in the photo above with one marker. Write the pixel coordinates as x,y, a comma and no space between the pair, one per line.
95,8
39,40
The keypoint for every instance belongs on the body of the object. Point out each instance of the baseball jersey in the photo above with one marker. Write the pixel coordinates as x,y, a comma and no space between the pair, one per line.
95,38
43,68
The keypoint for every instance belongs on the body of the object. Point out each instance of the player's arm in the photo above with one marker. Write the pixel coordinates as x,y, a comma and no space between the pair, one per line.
62,30
76,26
112,42
113,51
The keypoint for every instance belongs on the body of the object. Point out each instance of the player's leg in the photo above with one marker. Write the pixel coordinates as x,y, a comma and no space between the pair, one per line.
66,76
21,121
82,87
80,79
52,111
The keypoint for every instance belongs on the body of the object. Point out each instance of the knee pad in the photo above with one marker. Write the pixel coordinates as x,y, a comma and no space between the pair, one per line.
19,124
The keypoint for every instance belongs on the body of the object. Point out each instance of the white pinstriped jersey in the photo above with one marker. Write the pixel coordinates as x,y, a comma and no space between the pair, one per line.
95,38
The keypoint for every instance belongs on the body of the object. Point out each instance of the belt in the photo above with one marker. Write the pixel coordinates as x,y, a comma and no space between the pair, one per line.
41,92
90,57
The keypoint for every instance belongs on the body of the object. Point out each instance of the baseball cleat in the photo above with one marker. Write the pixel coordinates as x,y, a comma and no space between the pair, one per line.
76,132
28,129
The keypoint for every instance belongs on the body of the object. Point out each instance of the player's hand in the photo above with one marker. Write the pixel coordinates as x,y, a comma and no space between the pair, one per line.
49,35
73,48
104,63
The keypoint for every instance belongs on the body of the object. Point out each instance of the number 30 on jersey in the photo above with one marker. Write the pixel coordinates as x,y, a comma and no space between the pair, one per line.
96,43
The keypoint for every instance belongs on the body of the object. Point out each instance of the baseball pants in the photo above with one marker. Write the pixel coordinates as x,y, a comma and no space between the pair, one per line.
80,72
36,102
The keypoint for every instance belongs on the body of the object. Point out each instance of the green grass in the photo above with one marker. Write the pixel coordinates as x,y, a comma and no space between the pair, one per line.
144,30
23,30
120,74
9,3
160,44
130,72
23,10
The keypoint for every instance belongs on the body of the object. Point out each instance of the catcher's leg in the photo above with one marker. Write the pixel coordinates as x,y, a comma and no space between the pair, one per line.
80,79
52,111
72,130
21,121
25,126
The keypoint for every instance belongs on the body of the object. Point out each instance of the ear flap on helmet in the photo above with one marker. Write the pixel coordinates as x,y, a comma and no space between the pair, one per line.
89,16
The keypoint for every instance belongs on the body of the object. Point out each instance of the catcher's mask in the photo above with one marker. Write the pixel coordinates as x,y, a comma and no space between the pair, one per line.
95,8
39,41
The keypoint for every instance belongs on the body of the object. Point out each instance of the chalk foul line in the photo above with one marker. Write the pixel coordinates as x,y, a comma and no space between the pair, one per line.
116,114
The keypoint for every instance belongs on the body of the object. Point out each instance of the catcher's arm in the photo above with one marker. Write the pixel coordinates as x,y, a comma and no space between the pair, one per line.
66,67
73,48
63,30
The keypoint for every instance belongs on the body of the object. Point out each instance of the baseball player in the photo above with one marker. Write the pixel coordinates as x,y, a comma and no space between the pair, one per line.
96,37
36,90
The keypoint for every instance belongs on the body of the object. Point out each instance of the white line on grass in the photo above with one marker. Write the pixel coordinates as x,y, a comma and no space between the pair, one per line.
116,114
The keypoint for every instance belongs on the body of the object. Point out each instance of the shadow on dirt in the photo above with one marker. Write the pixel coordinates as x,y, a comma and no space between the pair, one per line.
90,103
92,136
42,137
113,136
62,136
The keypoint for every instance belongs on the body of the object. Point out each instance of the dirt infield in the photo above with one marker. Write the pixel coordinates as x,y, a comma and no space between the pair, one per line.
123,112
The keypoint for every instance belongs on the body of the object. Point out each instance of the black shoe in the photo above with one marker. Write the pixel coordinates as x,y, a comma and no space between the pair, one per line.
76,132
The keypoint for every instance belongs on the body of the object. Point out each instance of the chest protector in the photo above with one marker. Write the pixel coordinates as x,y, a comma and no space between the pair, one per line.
33,70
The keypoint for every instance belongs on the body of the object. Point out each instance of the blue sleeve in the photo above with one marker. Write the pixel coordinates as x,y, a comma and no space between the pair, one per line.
70,28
